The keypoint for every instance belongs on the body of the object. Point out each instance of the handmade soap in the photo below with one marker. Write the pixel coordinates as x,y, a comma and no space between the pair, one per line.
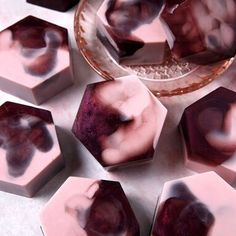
200,205
119,121
35,60
86,207
209,133
58,5
29,151
201,31
131,31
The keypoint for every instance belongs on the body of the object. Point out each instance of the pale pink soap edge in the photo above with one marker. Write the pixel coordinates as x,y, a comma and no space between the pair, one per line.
33,186
43,91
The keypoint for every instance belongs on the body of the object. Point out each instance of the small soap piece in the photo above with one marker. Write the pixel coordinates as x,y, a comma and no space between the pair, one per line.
86,207
119,121
131,31
35,60
29,151
58,5
202,31
200,205
209,133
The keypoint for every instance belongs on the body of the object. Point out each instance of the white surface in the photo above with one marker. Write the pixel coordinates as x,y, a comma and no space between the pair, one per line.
142,184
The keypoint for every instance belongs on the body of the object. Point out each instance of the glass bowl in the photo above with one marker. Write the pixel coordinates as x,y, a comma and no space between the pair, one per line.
168,79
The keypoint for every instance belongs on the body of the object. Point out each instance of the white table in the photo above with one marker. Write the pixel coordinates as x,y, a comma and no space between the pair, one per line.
142,184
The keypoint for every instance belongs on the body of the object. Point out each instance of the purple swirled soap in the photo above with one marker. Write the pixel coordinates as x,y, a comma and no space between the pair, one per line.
202,31
199,205
35,60
29,151
209,133
85,207
131,31
58,5
119,121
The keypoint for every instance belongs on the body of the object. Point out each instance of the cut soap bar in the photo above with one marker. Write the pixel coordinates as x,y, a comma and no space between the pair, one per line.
119,121
209,133
29,151
202,31
85,207
200,205
35,60
58,5
131,31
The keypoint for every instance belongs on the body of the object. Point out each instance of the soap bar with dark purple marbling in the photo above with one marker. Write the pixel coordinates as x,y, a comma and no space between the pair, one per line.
202,31
209,133
58,5
85,207
200,205
131,31
119,121
29,151
35,60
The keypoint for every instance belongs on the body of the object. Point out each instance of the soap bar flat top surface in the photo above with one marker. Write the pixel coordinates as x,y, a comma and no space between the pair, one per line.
88,207
130,28
209,128
119,121
28,143
129,19
32,51
200,205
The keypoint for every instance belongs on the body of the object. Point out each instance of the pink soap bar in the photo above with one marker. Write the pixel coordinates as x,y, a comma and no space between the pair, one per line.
131,31
29,151
201,31
200,205
209,133
58,5
86,207
35,60
119,121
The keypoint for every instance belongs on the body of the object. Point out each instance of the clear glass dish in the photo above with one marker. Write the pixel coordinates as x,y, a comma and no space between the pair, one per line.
168,79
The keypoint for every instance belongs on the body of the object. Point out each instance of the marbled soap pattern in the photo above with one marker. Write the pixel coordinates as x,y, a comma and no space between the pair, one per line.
200,205
28,144
34,52
209,133
202,31
89,207
112,117
131,31
58,5
126,16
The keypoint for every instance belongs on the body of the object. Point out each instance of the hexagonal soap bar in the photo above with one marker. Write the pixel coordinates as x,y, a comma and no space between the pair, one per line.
35,60
119,121
29,151
199,205
201,31
84,207
131,31
209,133
58,5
